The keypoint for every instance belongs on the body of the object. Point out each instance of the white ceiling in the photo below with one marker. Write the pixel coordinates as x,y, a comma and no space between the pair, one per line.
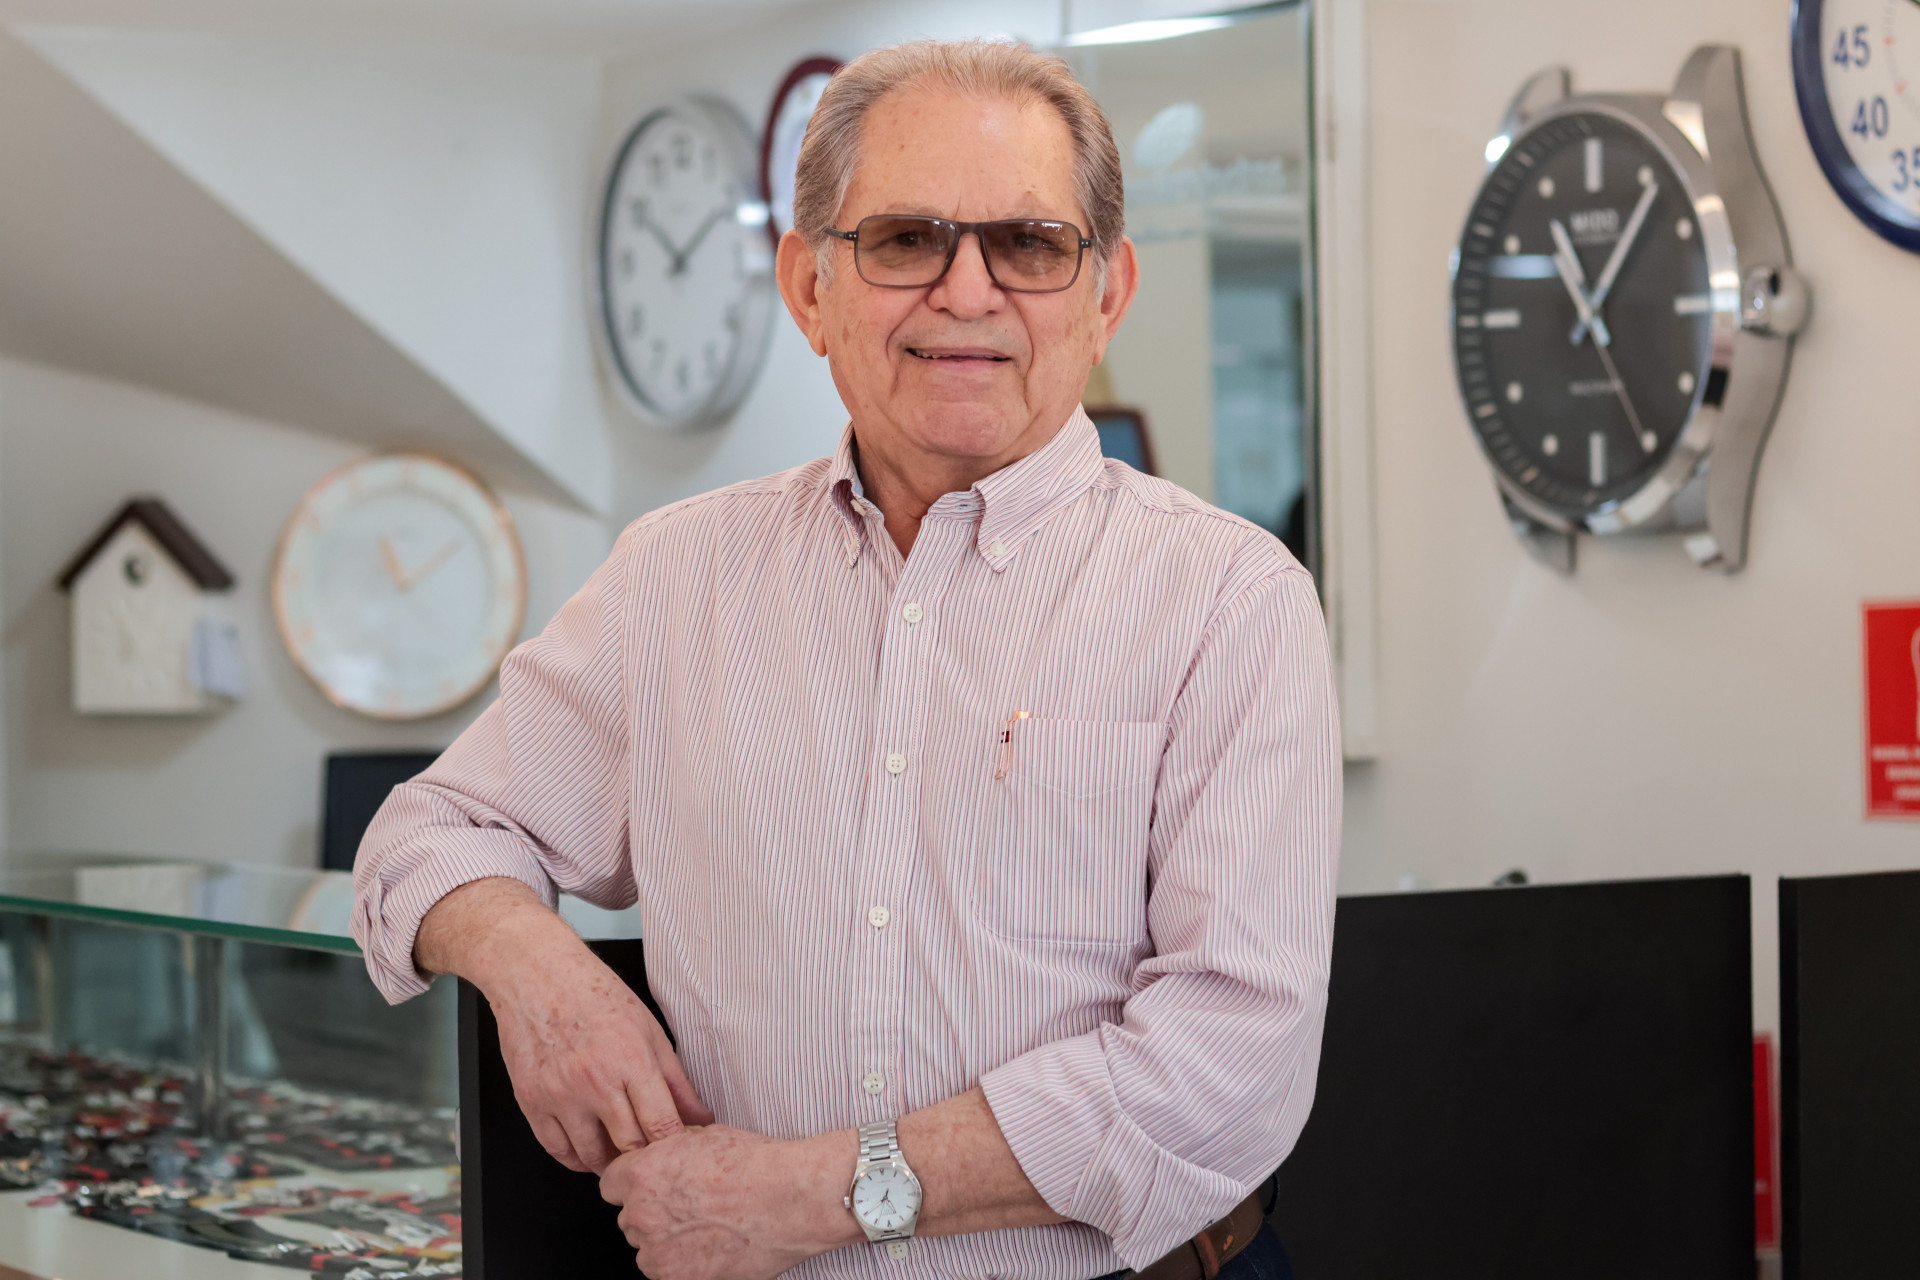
521,26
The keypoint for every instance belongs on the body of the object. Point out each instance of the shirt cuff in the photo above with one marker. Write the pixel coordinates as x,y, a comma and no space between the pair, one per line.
391,902
1059,1112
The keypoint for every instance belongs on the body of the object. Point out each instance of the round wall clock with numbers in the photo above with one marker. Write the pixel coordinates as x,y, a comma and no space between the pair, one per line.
1856,71
399,585
683,267
1622,303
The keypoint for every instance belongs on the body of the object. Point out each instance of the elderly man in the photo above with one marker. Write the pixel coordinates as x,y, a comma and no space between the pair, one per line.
980,795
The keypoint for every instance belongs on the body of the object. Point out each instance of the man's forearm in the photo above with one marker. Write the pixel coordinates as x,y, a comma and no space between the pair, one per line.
969,1178
486,930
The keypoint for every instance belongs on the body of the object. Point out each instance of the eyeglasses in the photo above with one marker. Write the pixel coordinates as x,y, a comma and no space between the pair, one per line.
1024,255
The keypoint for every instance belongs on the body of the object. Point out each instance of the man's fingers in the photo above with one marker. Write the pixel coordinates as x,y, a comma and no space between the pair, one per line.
553,1137
653,1107
686,1100
589,1140
616,1115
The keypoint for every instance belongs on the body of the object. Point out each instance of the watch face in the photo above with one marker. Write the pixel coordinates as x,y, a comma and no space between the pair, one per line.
886,1198
1584,216
685,268
399,586
1856,69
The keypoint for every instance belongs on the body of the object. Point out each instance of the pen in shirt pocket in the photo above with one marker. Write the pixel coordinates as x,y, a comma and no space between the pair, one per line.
1006,743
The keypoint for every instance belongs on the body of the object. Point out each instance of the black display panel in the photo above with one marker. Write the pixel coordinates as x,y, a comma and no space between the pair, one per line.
1850,1075
1553,1081
357,785
523,1214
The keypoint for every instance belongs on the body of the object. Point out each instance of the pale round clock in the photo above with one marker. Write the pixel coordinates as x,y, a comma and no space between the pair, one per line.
793,105
683,268
1856,70
399,585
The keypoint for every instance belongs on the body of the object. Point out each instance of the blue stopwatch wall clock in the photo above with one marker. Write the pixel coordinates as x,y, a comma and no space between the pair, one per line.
1856,71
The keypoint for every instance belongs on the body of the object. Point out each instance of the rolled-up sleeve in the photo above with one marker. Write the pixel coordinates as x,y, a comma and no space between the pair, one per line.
1154,1126
537,789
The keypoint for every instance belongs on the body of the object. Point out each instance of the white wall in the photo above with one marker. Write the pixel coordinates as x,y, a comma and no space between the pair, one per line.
244,784
1643,718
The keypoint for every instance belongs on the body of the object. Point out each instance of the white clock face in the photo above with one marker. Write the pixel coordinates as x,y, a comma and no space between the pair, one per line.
785,132
886,1198
399,586
685,267
1873,89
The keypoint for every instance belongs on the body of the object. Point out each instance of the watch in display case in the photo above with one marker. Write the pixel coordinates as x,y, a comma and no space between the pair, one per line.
1623,307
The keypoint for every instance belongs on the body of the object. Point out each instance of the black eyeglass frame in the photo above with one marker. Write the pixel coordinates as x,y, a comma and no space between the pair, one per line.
960,231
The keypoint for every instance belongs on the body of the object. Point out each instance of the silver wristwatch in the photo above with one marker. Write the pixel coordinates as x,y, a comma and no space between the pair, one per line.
885,1196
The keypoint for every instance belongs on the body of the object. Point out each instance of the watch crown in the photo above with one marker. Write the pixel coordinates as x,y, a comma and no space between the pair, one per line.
847,1201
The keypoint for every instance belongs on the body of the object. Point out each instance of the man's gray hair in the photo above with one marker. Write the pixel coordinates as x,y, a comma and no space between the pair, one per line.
986,68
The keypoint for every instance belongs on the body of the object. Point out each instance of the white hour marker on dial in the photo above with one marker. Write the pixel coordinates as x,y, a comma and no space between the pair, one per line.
1514,393
1684,228
1692,304
1686,384
1546,188
1507,319
1597,458
1593,174
1549,445
1649,441
1645,175
1513,244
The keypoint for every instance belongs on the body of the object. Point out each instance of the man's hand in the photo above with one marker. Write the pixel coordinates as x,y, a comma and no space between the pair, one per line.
591,1067
717,1203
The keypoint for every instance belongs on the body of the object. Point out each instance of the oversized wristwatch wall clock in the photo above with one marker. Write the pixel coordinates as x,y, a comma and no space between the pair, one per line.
1856,71
1623,304
683,269
399,585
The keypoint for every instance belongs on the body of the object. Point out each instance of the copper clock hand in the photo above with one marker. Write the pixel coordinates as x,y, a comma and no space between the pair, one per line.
433,562
1608,273
391,558
1567,263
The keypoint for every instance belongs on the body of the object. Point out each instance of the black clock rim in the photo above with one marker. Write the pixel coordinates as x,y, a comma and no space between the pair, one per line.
1881,215
1556,514
818,64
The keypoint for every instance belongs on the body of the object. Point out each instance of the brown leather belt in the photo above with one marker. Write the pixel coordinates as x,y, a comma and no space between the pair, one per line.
1202,1257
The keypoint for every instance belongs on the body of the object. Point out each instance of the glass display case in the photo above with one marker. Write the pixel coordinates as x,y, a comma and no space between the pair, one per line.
197,1079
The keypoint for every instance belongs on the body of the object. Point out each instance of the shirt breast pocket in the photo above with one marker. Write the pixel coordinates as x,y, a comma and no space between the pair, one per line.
1065,858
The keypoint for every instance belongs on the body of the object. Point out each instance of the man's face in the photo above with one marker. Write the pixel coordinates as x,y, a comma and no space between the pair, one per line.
961,371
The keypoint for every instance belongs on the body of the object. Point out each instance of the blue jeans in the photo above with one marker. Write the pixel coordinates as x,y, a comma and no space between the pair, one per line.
1264,1259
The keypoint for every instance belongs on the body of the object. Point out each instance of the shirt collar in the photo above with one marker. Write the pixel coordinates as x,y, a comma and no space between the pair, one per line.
1011,504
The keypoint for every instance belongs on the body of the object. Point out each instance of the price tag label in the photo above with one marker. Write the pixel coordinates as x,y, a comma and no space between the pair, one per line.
1891,669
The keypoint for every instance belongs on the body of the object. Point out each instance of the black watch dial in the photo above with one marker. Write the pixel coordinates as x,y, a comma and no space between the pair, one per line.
1582,312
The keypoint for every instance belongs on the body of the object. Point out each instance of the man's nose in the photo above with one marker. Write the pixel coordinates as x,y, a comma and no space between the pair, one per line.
968,288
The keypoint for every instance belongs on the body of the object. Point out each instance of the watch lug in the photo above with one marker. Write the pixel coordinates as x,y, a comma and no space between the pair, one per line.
1551,547
1544,89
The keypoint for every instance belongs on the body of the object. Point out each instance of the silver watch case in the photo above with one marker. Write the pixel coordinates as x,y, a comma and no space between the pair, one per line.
880,1148
1705,488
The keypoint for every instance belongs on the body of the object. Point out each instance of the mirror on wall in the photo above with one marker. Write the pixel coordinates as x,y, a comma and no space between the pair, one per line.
1207,383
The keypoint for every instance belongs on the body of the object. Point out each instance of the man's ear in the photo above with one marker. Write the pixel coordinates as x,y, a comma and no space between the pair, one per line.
1123,281
799,274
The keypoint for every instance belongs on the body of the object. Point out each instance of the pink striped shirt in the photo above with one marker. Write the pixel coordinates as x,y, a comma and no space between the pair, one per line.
781,737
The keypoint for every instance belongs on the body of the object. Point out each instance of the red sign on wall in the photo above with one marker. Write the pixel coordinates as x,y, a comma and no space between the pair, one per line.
1891,632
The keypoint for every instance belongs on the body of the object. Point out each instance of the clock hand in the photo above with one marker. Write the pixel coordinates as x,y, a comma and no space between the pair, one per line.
1567,263
1604,284
1640,435
433,562
698,236
665,243
391,558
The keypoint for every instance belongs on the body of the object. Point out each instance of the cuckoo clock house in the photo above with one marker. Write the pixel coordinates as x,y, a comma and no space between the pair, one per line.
149,635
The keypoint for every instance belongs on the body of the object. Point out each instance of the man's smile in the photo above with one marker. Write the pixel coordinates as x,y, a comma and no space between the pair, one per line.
959,355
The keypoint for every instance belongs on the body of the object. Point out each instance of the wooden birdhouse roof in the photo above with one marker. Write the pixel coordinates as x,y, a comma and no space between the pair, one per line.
157,519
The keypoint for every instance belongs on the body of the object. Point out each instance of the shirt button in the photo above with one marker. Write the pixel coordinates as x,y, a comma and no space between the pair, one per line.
873,1082
896,764
912,612
996,548
878,917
